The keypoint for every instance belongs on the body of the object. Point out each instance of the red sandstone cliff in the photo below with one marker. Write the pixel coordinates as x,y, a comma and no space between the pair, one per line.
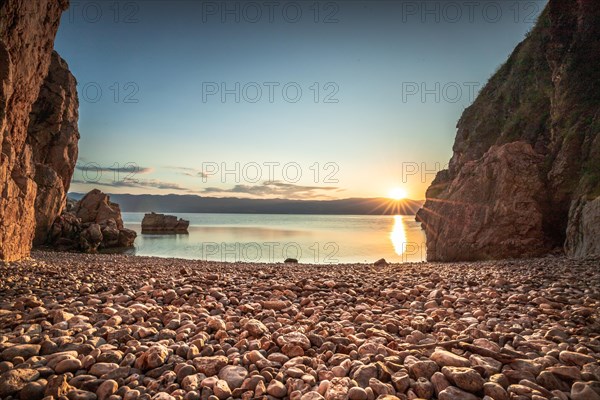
27,31
525,175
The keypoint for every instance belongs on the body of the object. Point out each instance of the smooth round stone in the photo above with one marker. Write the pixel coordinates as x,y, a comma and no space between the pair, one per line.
586,391
68,365
233,375
100,369
106,389
184,371
572,358
276,389
357,393
495,391
5,366
34,390
81,395
24,351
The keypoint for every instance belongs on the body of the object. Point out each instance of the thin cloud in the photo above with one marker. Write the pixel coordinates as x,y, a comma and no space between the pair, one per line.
137,183
277,189
193,172
129,168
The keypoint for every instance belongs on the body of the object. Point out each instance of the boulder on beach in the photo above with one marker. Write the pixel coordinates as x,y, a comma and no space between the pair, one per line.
96,207
91,224
380,263
162,223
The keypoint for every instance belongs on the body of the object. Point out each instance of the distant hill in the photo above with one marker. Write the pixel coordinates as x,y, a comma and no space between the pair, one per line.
196,204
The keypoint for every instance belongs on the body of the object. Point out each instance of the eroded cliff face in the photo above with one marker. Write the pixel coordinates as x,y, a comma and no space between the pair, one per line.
506,184
53,136
525,175
27,31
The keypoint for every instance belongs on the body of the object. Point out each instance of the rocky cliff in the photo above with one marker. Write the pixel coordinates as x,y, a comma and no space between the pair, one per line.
524,178
53,136
27,31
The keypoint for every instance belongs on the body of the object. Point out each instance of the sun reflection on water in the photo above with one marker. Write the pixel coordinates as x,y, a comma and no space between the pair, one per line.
398,235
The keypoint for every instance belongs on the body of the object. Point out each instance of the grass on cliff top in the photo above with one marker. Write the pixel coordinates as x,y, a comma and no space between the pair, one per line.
515,103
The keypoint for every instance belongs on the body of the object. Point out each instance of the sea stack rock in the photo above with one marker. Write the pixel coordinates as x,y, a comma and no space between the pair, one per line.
161,223
92,224
96,207
524,178
27,31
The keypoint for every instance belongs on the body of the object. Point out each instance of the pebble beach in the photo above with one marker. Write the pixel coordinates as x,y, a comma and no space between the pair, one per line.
111,327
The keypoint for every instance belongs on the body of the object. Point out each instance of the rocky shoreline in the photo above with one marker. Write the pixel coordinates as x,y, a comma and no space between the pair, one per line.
78,326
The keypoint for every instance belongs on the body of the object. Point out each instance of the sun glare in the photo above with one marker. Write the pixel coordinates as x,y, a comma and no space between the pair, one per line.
397,194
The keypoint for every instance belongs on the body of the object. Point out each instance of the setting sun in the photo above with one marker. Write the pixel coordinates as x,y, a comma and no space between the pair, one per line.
397,193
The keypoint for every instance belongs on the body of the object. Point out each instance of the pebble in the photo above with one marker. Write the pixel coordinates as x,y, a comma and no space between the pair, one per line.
256,328
25,351
465,378
276,389
585,391
221,389
14,380
573,358
99,369
107,389
495,391
233,375
357,393
454,393
68,365
445,358
117,327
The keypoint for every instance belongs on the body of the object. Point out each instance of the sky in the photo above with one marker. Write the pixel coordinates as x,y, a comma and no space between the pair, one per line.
303,100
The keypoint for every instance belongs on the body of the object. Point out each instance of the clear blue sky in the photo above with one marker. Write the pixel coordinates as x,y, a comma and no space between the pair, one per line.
160,66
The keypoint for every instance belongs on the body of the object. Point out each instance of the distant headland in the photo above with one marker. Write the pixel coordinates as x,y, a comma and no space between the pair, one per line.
197,204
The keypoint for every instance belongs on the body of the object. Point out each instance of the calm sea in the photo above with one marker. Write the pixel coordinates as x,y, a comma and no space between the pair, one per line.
319,239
